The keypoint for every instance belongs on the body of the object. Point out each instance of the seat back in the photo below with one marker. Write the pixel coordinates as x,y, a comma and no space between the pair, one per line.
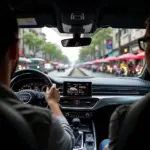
135,131
14,131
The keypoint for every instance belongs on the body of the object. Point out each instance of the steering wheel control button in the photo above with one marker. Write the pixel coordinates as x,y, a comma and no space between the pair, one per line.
25,97
87,115
67,114
40,95
76,102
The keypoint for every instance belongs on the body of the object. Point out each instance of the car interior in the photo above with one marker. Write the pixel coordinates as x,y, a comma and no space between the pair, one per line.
88,115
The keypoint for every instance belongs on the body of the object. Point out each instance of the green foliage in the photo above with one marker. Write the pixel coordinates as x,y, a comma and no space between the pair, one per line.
37,44
97,39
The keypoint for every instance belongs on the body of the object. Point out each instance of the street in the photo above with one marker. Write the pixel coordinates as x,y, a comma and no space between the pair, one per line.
96,74
78,72
56,73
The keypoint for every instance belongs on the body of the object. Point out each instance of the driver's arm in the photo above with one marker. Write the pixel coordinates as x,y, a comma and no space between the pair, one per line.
50,127
51,132
61,134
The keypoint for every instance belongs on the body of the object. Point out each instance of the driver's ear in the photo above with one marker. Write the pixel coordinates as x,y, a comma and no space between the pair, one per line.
14,50
147,23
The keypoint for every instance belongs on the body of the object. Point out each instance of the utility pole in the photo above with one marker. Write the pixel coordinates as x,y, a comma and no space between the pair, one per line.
119,41
23,42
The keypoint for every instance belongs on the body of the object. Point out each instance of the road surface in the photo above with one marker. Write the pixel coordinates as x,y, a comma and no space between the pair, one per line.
55,73
76,72
96,74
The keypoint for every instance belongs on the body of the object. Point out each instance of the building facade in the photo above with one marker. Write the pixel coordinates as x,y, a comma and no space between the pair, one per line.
26,50
125,40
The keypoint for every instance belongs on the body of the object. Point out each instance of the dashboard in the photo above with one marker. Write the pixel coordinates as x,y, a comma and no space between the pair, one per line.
79,103
94,108
100,95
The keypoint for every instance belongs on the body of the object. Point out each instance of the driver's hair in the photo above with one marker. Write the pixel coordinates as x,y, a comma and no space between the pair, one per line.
147,21
8,29
116,121
115,124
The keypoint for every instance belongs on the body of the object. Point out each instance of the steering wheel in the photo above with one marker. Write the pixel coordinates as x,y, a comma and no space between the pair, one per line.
29,96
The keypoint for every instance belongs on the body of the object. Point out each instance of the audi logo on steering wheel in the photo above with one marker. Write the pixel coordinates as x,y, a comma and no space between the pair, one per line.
25,97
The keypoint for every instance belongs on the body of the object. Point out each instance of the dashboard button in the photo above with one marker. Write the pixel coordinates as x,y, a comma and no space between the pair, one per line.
66,102
77,102
87,115
67,114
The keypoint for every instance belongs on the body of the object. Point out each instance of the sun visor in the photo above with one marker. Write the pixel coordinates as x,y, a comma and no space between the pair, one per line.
27,22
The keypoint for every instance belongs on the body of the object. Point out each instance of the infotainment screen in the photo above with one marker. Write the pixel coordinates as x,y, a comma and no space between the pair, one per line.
77,89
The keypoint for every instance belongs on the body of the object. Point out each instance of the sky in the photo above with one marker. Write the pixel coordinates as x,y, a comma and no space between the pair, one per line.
54,37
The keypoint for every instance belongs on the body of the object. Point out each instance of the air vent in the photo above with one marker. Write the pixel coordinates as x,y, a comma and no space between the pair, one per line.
107,90
80,102
145,82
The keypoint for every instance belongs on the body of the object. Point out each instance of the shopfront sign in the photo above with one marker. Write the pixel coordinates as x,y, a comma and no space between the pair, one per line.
126,50
135,49
109,44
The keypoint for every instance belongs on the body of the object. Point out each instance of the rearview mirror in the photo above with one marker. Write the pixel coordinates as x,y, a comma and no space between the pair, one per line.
76,42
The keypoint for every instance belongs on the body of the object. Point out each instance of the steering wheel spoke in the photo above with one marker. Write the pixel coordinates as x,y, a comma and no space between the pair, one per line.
41,99
32,97
41,95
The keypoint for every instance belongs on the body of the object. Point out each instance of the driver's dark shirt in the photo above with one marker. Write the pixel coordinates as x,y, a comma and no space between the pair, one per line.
51,133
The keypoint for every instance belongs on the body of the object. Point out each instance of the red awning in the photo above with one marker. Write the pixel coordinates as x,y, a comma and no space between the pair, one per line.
111,58
96,61
127,56
141,55
88,63
103,60
54,63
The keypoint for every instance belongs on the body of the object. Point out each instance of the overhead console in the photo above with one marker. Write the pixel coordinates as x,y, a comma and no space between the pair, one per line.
78,22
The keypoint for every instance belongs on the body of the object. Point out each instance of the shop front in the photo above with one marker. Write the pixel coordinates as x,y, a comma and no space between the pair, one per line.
135,50
124,50
113,52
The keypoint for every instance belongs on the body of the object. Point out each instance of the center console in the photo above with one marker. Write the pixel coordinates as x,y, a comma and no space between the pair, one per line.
77,103
84,132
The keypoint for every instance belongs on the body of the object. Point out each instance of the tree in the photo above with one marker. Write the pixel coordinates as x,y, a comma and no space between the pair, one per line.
97,39
65,59
28,38
38,45
50,49
35,43
53,52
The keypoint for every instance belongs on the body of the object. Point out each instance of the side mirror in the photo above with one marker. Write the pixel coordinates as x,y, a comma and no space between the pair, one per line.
76,42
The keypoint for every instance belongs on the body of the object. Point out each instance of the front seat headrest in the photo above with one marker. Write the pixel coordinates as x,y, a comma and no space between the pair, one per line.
135,131
14,131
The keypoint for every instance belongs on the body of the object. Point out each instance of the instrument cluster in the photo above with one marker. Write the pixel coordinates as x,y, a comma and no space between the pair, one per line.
36,86
32,84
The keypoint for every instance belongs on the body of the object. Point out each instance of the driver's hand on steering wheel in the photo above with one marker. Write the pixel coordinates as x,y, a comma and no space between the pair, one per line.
52,95
52,98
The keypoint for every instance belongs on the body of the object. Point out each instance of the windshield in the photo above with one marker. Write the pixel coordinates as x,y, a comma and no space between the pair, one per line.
112,53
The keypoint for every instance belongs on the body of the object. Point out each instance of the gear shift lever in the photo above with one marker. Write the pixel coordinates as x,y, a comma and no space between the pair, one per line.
76,124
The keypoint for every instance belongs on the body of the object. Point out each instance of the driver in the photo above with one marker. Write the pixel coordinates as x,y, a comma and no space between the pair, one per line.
144,45
51,130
